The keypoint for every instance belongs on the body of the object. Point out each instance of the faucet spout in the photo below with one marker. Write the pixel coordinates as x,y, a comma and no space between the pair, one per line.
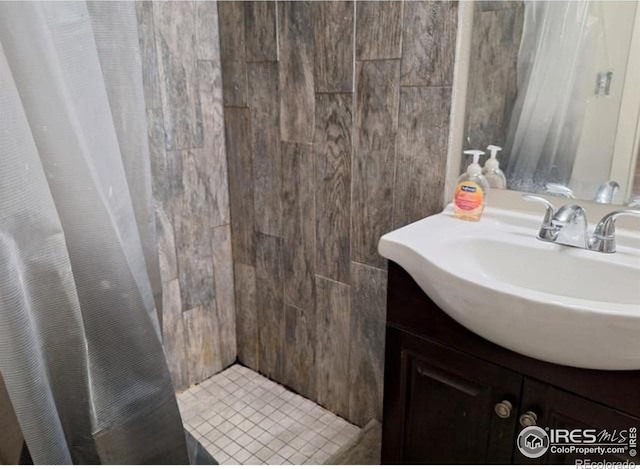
570,224
606,192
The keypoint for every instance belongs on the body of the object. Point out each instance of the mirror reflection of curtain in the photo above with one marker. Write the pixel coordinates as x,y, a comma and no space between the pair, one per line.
80,349
546,123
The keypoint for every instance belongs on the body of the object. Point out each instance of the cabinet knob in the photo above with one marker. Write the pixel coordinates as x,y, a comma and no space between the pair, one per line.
528,419
503,409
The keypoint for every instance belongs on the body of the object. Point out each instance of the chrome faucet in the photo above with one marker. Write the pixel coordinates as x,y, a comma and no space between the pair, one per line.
568,226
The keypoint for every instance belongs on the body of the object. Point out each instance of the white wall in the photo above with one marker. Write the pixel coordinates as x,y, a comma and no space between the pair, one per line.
595,151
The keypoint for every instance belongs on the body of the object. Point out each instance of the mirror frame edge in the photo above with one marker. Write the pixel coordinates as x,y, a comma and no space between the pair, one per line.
458,109
627,141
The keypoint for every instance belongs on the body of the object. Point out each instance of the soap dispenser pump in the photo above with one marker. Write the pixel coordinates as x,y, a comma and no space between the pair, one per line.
471,191
492,172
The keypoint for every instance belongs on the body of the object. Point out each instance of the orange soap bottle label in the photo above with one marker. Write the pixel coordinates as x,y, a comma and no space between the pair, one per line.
469,196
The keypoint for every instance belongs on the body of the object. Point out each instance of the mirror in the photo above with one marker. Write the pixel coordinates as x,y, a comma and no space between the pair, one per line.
556,84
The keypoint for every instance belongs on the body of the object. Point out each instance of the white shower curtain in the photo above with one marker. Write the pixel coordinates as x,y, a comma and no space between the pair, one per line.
80,349
546,122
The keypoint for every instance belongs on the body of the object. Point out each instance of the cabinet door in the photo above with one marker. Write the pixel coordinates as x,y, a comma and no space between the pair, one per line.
446,400
557,409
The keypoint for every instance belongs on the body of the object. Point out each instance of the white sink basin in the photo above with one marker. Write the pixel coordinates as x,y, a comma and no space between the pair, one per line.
558,304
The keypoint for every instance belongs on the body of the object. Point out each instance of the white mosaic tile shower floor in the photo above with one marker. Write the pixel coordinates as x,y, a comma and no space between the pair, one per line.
241,417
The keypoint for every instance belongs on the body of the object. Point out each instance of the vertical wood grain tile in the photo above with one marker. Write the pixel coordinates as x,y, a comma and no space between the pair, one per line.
265,139
148,55
299,351
429,43
422,153
423,120
212,155
489,5
234,83
296,71
332,149
373,167
333,322
232,35
269,285
333,29
298,224
175,42
492,88
173,333
225,303
192,218
240,167
246,315
166,167
181,76
207,39
166,244
203,348
366,356
378,30
232,53
260,27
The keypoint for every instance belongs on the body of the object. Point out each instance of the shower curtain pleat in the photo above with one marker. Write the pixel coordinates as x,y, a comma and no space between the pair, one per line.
80,347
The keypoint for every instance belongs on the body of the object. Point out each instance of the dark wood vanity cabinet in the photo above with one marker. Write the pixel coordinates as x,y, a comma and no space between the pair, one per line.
448,405
452,397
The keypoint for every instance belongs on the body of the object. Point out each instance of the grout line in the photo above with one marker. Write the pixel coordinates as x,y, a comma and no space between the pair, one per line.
379,59
369,266
330,280
266,61
227,106
425,86
339,93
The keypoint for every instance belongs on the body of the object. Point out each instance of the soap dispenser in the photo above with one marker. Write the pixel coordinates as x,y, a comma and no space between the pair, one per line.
492,172
471,191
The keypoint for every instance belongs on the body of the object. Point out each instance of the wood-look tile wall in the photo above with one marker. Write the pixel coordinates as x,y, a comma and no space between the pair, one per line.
336,120
183,91
492,89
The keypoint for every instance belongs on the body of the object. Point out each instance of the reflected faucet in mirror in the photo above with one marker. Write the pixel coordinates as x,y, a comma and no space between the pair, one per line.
568,226
604,195
606,192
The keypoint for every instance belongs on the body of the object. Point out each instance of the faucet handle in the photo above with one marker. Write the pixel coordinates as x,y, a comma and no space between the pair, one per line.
550,209
547,231
559,190
604,235
634,201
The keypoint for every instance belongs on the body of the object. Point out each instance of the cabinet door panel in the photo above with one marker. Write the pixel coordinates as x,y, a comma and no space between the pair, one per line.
557,409
447,401
447,415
